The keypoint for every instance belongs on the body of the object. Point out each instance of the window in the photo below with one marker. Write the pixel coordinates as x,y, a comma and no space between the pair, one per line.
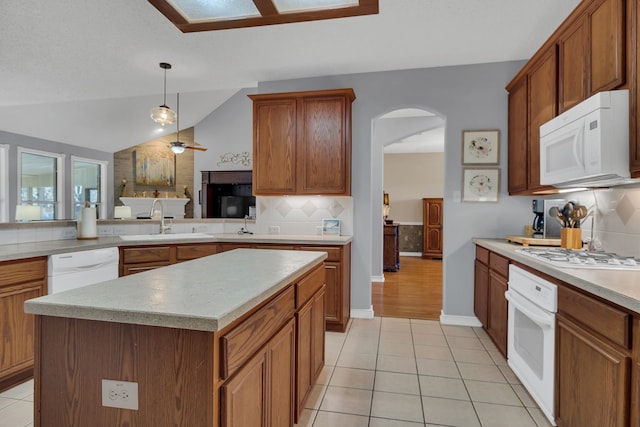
89,185
4,183
40,182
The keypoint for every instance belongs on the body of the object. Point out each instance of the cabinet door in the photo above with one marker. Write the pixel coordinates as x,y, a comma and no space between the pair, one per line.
333,301
542,108
16,351
317,333
243,398
518,136
324,156
274,146
635,375
607,45
591,379
432,224
281,370
634,134
481,292
573,55
304,380
390,252
498,311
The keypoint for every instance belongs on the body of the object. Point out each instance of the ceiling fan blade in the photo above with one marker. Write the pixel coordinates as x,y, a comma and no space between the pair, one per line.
195,148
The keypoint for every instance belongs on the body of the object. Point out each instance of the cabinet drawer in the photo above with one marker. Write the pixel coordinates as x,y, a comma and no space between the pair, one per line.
333,253
499,264
244,340
308,286
278,247
138,255
482,255
13,272
186,252
602,318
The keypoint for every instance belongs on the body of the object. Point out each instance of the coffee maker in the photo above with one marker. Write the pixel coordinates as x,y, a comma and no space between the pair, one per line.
538,219
544,226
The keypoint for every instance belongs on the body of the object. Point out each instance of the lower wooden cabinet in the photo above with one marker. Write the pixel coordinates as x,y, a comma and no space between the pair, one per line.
261,393
391,249
19,281
491,273
136,259
592,379
310,353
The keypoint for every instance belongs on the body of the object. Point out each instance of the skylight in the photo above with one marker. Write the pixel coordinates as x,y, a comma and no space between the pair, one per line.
208,15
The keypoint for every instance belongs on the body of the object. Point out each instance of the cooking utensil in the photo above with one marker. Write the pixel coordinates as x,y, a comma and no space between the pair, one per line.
554,212
580,213
567,212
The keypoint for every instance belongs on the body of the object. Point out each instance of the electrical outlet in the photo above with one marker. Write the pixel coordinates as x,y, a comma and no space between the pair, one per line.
274,229
119,230
120,394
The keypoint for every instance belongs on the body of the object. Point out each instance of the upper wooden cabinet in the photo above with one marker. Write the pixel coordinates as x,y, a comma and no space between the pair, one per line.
302,143
587,54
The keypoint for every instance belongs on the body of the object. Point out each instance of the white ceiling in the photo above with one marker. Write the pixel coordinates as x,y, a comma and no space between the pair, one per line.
86,72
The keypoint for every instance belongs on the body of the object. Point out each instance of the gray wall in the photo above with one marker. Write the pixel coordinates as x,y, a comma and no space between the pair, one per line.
468,97
16,140
228,129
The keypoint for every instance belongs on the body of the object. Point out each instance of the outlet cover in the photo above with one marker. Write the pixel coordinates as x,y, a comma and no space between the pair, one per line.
274,229
120,394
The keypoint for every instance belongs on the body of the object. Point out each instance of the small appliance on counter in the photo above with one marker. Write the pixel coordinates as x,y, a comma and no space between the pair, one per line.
544,225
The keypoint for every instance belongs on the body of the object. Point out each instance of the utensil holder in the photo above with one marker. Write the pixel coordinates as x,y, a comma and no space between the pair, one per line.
571,238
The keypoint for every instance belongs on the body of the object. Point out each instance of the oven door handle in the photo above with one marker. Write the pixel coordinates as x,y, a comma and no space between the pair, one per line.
546,321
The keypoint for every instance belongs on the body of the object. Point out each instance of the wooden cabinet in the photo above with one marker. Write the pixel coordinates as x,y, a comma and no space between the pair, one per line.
432,217
491,274
634,119
19,281
136,259
573,54
260,394
302,143
532,102
607,51
310,329
587,54
337,268
590,370
635,374
542,108
593,361
390,246
518,135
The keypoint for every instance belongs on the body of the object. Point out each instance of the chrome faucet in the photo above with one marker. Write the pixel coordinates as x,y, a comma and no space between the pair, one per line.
163,228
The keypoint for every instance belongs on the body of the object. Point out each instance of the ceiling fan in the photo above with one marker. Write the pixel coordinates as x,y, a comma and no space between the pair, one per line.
177,146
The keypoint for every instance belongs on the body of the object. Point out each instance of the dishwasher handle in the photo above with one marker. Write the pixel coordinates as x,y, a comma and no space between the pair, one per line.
544,320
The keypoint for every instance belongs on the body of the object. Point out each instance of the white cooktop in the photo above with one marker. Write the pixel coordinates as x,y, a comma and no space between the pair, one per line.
569,258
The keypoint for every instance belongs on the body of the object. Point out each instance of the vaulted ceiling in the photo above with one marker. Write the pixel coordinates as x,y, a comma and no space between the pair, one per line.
86,72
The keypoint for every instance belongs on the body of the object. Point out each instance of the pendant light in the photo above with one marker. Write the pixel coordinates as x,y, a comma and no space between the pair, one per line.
163,114
177,147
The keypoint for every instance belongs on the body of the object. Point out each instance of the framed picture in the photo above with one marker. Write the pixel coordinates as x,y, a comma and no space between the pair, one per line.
331,227
480,185
480,147
155,167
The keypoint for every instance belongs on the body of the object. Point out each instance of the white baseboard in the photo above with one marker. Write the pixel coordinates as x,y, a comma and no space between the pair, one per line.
447,319
419,254
377,279
362,313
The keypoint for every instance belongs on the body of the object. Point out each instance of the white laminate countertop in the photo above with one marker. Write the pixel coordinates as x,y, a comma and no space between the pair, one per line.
51,247
621,287
205,294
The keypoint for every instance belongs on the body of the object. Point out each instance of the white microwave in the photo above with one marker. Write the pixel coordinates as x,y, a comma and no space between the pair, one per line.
588,145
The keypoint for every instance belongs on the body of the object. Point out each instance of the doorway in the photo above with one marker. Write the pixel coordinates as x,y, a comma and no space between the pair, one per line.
412,141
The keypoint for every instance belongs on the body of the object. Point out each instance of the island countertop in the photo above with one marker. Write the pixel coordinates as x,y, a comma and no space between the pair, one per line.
205,294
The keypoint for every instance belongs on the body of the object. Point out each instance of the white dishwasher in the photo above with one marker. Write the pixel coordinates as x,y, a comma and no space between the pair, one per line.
76,269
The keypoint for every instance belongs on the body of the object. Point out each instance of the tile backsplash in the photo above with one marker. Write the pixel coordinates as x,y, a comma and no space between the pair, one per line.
616,218
302,214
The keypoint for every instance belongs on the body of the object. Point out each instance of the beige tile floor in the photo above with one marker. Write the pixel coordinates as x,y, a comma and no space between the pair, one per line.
391,372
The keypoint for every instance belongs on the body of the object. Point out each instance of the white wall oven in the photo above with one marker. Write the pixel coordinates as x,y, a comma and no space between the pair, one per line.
533,303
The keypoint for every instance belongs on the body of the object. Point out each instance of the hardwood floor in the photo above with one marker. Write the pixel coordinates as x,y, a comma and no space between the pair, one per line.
414,291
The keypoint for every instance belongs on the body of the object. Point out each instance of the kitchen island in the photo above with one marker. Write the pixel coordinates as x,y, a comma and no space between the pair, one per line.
233,339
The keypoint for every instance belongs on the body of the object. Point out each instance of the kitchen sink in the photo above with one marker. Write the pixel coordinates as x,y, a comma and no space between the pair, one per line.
166,236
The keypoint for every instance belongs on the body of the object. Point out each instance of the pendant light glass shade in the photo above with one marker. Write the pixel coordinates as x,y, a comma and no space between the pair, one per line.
163,114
